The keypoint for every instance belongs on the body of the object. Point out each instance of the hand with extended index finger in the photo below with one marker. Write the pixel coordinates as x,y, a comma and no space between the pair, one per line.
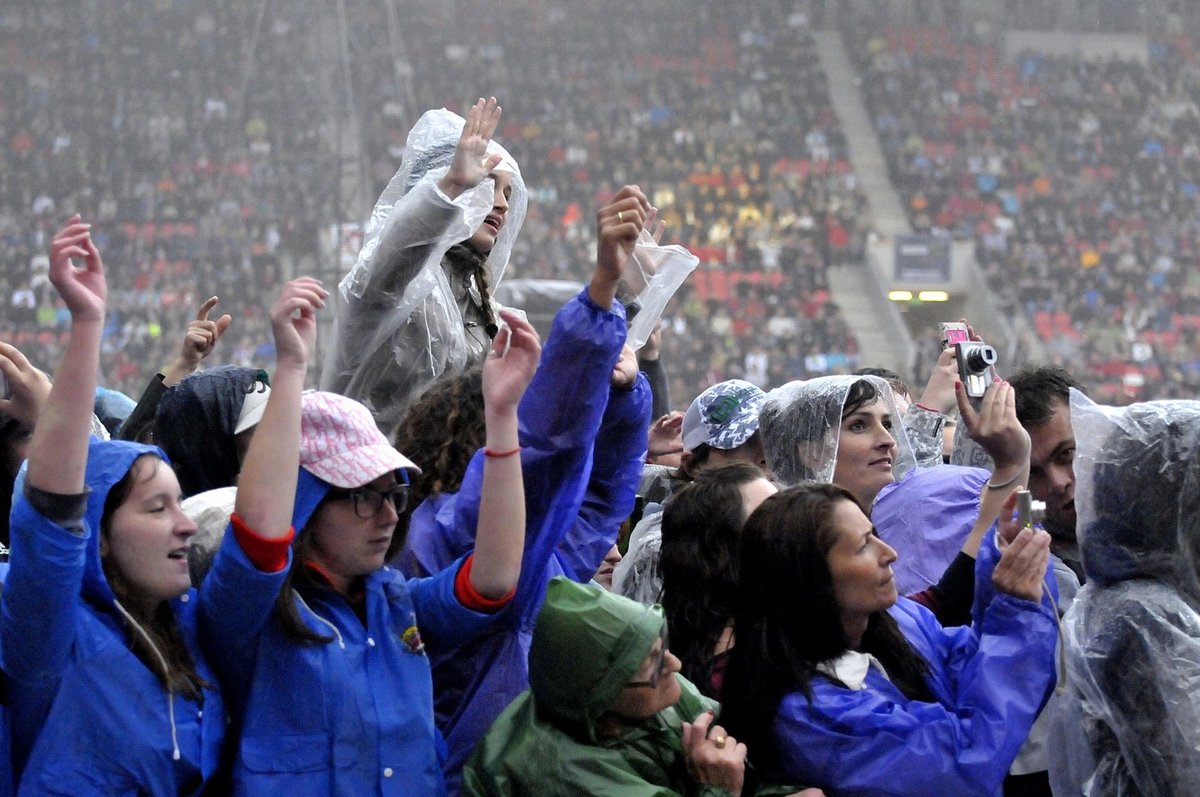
511,364
471,162
202,334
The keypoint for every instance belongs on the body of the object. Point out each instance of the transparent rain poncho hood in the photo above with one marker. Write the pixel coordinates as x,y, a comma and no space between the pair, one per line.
1133,632
801,423
399,324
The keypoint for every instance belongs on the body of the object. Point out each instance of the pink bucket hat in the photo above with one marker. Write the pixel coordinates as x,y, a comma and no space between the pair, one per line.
340,443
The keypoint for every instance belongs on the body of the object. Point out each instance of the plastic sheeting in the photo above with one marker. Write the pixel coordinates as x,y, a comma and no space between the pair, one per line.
1133,632
654,274
801,423
400,322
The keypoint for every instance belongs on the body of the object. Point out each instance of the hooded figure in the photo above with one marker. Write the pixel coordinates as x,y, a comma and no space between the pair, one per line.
197,421
417,302
87,715
1133,632
801,424
587,645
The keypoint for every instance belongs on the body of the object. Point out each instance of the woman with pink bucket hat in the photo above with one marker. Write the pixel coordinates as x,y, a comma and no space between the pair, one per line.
319,646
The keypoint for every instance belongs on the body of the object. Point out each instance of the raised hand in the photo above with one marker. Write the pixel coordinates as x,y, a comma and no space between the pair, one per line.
665,437
471,162
511,364
995,427
939,390
294,321
713,757
619,223
82,288
1021,570
198,342
28,387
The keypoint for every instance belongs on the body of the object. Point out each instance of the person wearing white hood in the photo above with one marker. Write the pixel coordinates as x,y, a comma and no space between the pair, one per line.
417,304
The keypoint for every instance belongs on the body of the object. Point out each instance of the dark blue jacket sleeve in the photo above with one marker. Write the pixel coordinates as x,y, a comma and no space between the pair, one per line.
617,461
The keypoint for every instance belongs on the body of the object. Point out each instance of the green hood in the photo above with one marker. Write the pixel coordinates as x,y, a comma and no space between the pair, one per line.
587,644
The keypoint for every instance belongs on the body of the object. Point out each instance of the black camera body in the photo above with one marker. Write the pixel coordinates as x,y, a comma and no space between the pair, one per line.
975,360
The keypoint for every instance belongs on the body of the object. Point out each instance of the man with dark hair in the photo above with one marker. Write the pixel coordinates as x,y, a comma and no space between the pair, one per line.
1043,408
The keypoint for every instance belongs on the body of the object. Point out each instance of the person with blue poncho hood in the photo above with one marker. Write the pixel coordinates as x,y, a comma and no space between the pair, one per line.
837,682
107,689
583,426
322,649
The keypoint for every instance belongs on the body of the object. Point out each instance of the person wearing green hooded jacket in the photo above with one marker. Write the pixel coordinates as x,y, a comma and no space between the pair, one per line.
607,712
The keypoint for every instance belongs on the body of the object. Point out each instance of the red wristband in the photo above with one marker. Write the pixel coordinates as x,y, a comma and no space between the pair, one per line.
490,454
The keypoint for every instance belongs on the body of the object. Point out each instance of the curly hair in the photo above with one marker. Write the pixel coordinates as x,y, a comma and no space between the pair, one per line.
440,433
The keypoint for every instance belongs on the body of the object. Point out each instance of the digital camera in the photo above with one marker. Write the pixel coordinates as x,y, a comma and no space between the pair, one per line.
975,360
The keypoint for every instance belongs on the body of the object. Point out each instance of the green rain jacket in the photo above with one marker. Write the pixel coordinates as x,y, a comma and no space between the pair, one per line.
586,645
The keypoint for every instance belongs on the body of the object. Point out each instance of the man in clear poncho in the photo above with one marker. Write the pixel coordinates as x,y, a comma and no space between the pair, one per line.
417,303
1133,632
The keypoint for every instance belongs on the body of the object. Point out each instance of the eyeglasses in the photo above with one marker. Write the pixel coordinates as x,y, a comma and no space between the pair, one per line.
367,501
656,671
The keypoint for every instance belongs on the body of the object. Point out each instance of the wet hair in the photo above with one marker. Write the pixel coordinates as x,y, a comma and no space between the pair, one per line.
1040,391
701,531
476,265
788,620
696,460
440,433
790,428
161,628
897,383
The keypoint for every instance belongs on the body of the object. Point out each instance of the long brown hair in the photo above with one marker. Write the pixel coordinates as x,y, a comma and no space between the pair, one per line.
160,627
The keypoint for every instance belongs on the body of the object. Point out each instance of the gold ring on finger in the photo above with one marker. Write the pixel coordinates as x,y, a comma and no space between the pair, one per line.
719,741
621,216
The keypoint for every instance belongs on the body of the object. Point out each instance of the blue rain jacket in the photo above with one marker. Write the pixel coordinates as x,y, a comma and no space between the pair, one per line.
583,446
352,716
86,715
990,679
6,780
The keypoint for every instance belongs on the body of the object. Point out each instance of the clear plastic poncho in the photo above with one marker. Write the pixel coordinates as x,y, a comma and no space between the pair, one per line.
404,317
1133,632
801,423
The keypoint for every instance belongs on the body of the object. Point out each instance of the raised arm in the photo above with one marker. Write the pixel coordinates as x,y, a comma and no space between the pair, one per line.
500,537
58,451
267,484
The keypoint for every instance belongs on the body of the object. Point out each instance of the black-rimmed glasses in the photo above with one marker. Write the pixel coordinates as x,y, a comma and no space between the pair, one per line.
657,670
367,501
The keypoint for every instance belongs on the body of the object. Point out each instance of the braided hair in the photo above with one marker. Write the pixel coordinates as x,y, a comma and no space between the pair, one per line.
476,266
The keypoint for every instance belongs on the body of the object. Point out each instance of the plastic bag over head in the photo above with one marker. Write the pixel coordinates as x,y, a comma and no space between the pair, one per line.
801,424
1137,491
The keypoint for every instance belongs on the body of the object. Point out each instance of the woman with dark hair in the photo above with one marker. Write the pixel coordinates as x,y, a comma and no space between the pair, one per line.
417,303
701,539
836,681
107,690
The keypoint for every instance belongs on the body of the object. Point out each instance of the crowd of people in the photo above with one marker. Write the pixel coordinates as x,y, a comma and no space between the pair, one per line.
1076,179
484,561
213,173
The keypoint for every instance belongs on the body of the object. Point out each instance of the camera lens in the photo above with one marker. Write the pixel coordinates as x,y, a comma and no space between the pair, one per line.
979,358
